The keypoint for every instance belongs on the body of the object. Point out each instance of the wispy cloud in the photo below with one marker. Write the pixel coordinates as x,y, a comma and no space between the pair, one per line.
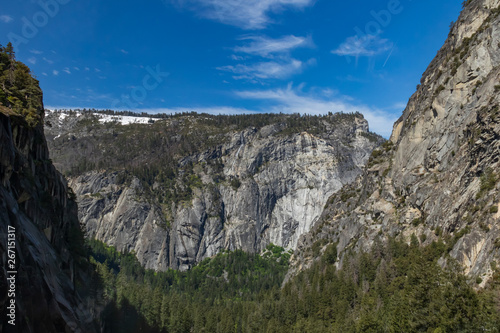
6,18
66,70
32,60
364,46
36,51
246,14
265,46
237,57
290,99
278,62
350,78
83,100
124,51
267,70
48,61
399,106
55,72
295,100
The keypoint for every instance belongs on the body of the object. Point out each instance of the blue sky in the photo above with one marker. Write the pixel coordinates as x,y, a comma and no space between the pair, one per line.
230,56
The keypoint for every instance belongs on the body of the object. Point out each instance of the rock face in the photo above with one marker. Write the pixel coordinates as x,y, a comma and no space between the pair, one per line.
275,187
438,176
36,202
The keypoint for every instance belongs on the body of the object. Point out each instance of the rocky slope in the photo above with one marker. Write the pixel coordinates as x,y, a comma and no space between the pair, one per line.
438,176
36,203
252,186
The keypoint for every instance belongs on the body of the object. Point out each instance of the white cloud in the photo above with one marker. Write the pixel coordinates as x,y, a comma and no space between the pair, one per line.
76,68
266,70
399,105
55,73
264,46
32,60
67,70
237,58
280,66
6,18
48,61
124,51
366,46
351,78
294,100
36,51
291,99
246,14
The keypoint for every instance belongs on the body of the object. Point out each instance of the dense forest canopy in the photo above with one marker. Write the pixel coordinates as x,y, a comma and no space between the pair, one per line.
396,287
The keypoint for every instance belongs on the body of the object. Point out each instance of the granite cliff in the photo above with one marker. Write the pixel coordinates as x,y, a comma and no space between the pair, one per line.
437,177
264,182
41,242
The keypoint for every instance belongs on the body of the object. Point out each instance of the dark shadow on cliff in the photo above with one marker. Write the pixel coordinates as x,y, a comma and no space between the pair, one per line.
124,318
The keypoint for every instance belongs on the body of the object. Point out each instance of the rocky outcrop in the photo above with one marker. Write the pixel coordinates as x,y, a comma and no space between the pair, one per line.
438,176
269,187
37,207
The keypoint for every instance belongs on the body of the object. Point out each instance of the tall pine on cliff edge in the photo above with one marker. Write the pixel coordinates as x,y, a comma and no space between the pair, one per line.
20,90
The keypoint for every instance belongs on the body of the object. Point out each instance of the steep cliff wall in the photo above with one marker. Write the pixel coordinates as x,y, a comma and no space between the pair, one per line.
261,185
39,210
438,177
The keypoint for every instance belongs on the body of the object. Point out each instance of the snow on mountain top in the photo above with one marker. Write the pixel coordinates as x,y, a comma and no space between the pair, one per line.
104,118
124,120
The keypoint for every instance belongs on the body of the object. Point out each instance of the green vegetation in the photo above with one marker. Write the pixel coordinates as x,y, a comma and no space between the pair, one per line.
454,68
377,156
466,3
372,137
213,296
164,155
416,222
439,90
19,90
488,182
176,136
235,183
395,288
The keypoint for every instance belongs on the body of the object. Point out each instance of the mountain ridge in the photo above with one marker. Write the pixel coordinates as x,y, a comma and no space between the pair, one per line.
438,177
261,180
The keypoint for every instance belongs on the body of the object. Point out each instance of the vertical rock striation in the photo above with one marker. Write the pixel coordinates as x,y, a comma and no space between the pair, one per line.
438,175
35,200
274,187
